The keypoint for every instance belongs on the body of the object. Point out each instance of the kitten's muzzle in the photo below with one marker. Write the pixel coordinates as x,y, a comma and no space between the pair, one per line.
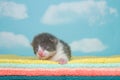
41,53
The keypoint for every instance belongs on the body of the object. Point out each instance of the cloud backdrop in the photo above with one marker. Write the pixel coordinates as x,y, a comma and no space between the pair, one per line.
88,45
13,10
11,40
91,27
91,10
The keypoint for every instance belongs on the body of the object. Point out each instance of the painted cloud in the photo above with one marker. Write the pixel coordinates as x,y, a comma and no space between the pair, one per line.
88,45
12,9
9,39
91,10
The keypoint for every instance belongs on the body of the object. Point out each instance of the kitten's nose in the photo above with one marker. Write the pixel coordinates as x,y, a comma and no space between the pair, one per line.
41,53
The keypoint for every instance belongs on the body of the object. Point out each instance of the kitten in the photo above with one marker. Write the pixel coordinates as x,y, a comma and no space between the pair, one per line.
48,47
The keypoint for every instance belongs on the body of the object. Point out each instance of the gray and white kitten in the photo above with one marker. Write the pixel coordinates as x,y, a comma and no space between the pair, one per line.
48,47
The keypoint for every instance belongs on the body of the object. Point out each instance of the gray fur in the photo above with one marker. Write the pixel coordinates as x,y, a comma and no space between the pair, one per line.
66,49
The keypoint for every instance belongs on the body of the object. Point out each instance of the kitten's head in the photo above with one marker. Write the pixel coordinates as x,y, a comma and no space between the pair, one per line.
44,45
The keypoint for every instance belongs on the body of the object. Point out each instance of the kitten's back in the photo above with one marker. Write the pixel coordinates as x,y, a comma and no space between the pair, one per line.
66,49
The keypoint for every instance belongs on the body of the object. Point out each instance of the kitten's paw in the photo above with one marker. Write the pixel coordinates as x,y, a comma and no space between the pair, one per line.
62,61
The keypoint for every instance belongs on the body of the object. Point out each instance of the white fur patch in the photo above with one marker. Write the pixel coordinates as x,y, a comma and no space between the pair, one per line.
59,53
39,48
45,51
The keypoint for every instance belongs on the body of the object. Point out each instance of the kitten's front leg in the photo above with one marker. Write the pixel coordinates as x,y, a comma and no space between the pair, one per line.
61,58
62,61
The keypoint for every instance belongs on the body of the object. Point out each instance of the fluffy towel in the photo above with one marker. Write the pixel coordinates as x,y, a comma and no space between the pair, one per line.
78,66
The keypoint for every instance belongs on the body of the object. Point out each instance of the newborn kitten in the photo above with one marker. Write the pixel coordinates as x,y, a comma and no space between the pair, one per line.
48,47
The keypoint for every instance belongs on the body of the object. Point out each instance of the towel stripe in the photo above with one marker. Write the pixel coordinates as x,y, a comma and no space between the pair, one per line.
59,77
61,72
81,60
109,65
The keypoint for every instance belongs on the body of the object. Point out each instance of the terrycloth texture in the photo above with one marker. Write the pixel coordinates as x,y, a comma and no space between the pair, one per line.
59,77
62,71
78,66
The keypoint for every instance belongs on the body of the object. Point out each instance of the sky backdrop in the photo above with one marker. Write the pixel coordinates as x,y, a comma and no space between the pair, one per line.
90,27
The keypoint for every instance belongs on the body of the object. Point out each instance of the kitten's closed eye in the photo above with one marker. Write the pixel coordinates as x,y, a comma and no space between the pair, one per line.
48,47
53,40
